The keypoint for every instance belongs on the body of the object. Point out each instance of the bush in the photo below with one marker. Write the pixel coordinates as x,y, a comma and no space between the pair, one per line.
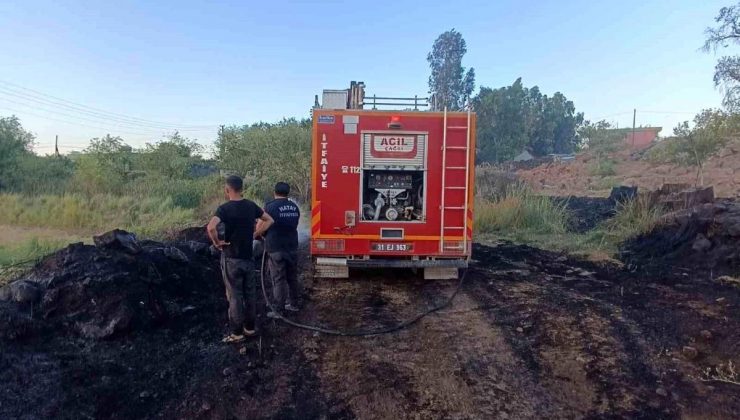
493,183
605,183
602,167
266,153
520,209
185,193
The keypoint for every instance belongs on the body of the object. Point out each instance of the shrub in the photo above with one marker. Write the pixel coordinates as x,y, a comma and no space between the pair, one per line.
606,183
602,167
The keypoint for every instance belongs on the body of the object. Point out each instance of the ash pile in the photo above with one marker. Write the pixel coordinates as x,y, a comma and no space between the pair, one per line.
117,286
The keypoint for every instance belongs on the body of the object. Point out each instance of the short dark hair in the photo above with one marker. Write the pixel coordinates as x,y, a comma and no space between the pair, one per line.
235,183
282,188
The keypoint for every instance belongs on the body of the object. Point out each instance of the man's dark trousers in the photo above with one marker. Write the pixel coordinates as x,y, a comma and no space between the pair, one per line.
241,292
283,273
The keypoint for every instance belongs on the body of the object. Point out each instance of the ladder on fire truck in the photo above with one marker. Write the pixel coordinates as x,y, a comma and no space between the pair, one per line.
446,230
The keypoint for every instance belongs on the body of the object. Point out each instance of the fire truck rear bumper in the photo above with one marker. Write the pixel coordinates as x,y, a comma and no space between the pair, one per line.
393,263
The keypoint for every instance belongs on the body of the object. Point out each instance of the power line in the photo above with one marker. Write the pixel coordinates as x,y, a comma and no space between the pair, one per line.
612,115
106,129
97,116
63,147
146,131
669,112
17,89
51,146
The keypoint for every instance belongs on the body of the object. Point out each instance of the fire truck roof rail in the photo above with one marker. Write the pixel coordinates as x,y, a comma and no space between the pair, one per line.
414,102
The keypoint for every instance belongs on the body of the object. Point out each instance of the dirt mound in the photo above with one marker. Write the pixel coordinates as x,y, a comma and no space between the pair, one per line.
195,234
112,288
577,177
702,238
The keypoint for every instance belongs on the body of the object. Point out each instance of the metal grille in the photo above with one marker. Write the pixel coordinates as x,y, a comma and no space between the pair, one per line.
415,162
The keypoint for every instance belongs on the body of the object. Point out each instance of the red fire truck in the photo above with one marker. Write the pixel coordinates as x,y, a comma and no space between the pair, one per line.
390,188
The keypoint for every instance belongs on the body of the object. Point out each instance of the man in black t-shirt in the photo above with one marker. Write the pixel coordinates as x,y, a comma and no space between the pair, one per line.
281,244
238,216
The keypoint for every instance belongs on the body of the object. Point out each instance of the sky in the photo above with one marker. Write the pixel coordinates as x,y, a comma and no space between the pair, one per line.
141,69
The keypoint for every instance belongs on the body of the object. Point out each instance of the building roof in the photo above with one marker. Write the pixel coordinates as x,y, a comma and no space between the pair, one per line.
642,137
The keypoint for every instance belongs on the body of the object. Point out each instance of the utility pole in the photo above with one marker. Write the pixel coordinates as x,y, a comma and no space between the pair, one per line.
634,118
56,145
221,144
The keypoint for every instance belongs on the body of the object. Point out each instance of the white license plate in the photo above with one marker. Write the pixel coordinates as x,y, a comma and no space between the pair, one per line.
392,246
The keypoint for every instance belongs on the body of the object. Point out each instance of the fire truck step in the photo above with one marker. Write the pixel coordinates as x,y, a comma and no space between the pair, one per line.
457,127
456,148
453,248
456,167
455,188
454,208
454,227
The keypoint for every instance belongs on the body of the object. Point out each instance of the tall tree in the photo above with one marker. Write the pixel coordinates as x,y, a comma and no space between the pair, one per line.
15,143
104,165
514,117
449,84
172,157
501,122
727,70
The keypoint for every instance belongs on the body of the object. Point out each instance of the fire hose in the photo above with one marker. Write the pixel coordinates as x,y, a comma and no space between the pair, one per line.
356,333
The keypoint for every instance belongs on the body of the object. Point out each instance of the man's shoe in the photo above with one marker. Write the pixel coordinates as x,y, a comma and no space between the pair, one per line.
233,338
273,315
291,308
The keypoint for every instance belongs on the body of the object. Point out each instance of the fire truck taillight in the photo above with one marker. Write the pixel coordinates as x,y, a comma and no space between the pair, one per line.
327,245
349,218
395,122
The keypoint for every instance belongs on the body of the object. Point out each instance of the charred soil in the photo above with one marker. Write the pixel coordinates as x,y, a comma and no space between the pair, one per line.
109,332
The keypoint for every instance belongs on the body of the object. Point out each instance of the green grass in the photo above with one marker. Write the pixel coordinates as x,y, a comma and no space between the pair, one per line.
525,218
633,218
16,258
29,250
520,210
150,216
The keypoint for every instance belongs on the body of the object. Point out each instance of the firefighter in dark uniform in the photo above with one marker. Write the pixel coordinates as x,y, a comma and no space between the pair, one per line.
281,245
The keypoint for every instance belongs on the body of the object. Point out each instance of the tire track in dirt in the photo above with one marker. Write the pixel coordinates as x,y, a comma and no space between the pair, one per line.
452,364
583,350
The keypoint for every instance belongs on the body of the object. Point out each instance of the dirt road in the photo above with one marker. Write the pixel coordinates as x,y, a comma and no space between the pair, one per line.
532,334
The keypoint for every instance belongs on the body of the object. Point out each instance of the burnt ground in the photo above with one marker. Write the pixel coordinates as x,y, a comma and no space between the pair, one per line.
586,212
532,334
